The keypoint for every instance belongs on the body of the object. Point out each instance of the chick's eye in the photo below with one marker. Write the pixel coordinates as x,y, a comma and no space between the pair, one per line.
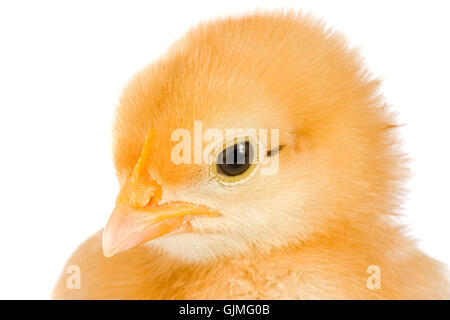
235,160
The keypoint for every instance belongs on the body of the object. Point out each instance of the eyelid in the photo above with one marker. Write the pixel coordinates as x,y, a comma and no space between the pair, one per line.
275,150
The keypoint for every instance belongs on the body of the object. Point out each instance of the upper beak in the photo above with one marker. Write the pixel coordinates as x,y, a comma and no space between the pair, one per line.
139,218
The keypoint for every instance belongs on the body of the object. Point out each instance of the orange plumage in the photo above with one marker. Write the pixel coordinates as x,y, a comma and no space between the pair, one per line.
310,231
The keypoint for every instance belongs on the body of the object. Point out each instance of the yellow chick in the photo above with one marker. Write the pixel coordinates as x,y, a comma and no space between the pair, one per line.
318,223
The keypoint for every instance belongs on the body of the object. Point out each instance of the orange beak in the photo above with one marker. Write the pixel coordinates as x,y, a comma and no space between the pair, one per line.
139,218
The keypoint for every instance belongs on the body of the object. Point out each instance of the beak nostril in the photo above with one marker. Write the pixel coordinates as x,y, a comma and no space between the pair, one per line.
141,189
139,194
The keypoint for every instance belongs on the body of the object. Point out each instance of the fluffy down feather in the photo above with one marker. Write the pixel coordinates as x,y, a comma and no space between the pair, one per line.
308,232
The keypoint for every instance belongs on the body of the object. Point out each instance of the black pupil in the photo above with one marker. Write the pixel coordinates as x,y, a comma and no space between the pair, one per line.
235,160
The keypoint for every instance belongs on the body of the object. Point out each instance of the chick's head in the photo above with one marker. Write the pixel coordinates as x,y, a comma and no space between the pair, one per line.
324,155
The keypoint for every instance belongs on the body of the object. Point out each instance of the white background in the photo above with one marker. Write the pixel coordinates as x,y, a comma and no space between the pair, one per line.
63,65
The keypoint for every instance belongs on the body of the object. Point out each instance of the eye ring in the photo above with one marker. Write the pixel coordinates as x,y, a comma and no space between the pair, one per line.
242,164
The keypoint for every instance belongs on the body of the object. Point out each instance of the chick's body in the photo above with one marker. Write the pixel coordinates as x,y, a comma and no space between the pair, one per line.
315,228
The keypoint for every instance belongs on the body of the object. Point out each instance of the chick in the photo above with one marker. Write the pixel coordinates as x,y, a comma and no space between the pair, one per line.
321,227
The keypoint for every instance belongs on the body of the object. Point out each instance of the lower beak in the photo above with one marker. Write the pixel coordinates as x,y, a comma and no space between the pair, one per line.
128,227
